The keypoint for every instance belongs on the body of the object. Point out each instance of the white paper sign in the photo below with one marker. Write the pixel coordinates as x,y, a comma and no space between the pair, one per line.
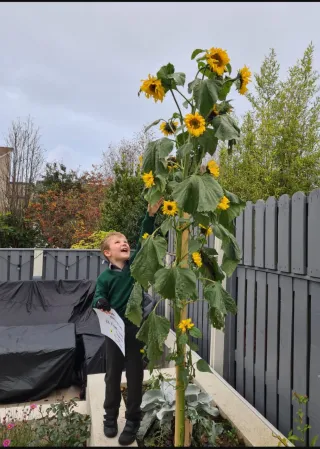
112,326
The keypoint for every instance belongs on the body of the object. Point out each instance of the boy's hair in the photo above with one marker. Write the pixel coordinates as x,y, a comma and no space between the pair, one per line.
105,242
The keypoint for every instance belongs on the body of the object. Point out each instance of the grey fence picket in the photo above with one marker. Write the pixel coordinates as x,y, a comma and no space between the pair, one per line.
248,234
313,233
261,339
284,233
250,335
271,234
299,233
314,384
241,300
16,264
285,354
259,233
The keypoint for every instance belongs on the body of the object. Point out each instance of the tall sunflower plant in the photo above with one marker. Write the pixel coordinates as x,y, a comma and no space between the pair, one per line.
195,206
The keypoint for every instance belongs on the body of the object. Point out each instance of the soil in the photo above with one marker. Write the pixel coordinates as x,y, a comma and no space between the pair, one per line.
228,438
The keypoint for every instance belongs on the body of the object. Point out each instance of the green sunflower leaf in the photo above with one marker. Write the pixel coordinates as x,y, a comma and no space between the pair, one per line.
230,247
179,78
152,124
148,260
210,267
208,141
182,138
198,193
225,127
176,283
194,246
225,89
184,150
153,333
203,366
219,298
155,154
196,53
216,318
206,94
153,195
195,332
166,226
134,308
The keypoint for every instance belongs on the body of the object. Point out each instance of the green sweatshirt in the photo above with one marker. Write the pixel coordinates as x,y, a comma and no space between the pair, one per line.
116,285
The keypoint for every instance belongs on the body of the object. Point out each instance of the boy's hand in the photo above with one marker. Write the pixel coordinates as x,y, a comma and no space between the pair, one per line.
103,305
152,210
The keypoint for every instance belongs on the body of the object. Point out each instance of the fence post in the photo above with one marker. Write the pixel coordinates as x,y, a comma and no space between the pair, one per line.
37,263
217,336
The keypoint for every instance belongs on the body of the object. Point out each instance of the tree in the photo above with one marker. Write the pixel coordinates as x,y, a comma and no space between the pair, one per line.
124,206
279,151
195,205
126,150
24,165
17,232
68,215
58,177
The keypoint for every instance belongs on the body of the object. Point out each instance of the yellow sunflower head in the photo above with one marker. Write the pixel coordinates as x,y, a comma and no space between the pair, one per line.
145,236
205,231
245,79
224,203
152,87
185,324
195,124
168,128
213,168
169,208
196,257
148,179
217,60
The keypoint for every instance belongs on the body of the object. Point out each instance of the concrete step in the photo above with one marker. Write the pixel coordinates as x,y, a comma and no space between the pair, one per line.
95,398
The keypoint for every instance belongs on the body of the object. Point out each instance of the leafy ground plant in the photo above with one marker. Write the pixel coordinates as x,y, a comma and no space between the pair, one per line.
195,206
209,429
59,426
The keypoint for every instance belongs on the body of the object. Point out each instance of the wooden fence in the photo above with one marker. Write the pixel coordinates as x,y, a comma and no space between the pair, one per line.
272,345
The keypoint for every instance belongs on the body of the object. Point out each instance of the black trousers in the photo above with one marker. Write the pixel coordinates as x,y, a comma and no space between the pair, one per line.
133,363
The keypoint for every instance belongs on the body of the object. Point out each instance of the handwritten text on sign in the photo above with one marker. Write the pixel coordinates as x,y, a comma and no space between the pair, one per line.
112,326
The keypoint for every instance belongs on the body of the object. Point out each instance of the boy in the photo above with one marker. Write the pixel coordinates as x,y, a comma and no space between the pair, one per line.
113,290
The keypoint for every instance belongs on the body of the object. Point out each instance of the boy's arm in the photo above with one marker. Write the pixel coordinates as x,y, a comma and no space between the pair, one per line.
147,225
100,300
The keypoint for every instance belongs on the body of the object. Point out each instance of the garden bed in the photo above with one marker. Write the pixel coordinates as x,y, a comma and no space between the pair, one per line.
59,425
207,430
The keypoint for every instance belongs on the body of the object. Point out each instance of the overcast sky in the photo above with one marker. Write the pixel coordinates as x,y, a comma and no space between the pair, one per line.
76,67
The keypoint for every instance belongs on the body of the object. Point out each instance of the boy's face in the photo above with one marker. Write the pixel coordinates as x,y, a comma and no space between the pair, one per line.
119,249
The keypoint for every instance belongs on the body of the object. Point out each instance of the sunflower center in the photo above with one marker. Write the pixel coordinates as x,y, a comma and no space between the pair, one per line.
169,207
152,87
216,58
195,123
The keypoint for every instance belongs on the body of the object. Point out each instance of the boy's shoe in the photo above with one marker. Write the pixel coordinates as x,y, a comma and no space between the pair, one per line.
129,433
110,427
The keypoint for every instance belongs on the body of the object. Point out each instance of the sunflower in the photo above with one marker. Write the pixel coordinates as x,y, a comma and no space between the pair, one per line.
245,79
205,231
197,259
185,324
145,236
195,123
169,208
148,179
217,60
224,203
213,168
152,87
168,128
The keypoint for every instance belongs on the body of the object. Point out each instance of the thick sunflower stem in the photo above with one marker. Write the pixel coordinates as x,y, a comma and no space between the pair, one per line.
181,314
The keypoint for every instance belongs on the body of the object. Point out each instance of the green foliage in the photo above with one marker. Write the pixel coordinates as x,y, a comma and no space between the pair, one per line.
134,309
124,207
93,241
153,333
57,177
59,426
279,150
19,232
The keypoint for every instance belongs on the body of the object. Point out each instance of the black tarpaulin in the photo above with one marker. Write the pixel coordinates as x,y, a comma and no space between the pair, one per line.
35,360
41,304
